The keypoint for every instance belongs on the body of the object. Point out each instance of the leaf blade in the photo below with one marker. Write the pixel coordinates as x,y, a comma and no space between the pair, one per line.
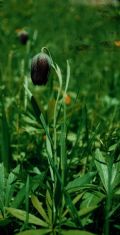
21,215
38,205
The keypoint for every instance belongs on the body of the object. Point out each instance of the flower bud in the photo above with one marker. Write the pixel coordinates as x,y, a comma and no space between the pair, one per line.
67,100
40,68
23,36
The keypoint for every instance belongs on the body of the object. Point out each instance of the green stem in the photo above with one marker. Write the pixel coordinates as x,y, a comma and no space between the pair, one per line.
56,163
109,198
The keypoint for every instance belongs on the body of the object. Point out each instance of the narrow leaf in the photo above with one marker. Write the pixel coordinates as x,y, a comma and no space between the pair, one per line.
2,187
5,140
74,201
38,205
72,209
35,232
85,211
68,76
50,110
102,168
21,215
35,108
76,232
63,153
27,199
19,198
10,186
49,205
79,182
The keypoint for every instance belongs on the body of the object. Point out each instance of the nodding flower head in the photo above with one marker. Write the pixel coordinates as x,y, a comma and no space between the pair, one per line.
40,68
23,36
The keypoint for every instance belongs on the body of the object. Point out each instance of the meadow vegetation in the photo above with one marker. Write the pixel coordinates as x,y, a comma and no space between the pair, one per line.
60,140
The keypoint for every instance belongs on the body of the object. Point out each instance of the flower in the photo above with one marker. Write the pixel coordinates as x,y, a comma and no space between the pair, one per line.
23,36
67,100
40,68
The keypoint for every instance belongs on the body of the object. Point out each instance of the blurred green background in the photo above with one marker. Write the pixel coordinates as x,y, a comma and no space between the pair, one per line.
85,35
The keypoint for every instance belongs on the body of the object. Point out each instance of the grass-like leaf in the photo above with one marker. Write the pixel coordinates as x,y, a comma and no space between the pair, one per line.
49,205
10,185
5,140
74,201
2,188
72,209
35,232
76,232
102,168
38,205
85,211
79,182
21,215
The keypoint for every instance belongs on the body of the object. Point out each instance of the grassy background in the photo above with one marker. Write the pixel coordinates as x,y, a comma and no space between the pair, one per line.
83,34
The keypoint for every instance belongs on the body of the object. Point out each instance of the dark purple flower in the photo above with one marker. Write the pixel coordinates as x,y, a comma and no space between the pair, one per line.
23,36
40,68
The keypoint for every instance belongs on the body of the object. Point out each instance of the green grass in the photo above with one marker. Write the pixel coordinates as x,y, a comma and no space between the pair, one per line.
59,163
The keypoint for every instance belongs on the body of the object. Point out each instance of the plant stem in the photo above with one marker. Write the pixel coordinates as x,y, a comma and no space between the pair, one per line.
109,198
56,163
